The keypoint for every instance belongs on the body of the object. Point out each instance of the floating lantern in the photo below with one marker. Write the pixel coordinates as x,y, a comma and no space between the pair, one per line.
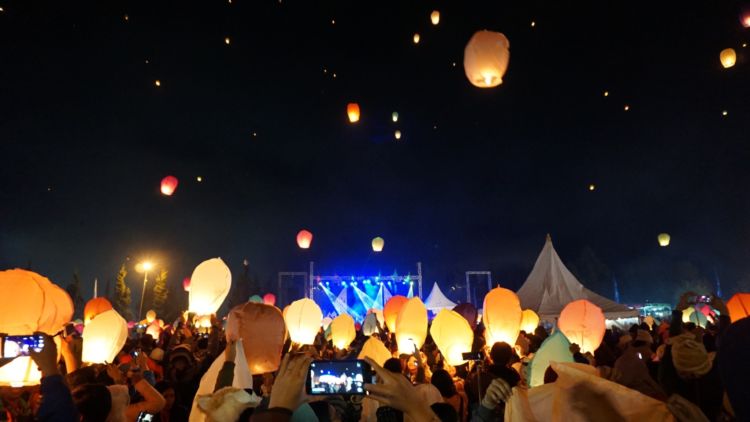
269,299
486,59
435,17
157,83
745,17
469,312
94,307
104,337
186,284
391,310
415,38
303,319
352,110
501,316
397,134
377,244
168,185
664,239
262,330
728,57
556,348
209,286
592,187
227,41
304,239
452,335
394,116
411,326
255,299
583,323
739,306
343,331
375,350
150,316
529,321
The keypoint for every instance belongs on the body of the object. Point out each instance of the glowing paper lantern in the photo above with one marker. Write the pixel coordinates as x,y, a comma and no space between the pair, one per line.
556,348
209,286
168,185
583,323
269,299
103,337
686,313
415,38
411,325
529,321
664,239
728,57
502,316
469,312
649,320
150,316
186,284
304,239
255,299
745,18
343,331
486,59
262,330
394,116
452,335
739,306
370,325
154,330
375,350
397,134
377,244
94,307
303,319
391,310
696,317
435,17
352,110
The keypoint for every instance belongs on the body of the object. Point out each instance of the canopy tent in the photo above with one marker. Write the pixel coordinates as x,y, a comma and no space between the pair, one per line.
437,300
550,286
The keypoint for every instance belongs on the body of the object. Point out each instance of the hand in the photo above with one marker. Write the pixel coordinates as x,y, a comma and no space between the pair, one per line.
230,352
114,372
719,305
46,359
288,390
142,361
498,391
685,300
397,392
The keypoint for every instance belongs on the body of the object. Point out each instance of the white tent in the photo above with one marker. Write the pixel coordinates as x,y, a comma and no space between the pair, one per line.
550,286
437,300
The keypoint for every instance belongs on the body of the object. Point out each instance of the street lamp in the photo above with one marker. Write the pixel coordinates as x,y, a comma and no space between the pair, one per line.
144,266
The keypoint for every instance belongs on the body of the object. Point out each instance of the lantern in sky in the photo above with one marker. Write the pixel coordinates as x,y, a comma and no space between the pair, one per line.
304,239
728,57
415,38
303,319
745,17
377,244
739,306
104,337
343,331
664,239
186,284
411,325
397,134
486,58
209,286
262,330
391,310
501,316
150,316
583,323
529,321
556,348
352,110
435,17
94,307
394,116
375,350
469,312
168,185
269,299
452,335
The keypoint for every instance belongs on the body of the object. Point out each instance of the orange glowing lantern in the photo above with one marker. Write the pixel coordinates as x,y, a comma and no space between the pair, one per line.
501,316
411,326
391,310
583,323
154,330
375,350
435,17
745,17
269,299
150,316
529,321
352,110
377,244
104,337
739,306
452,335
486,59
209,286
304,239
168,185
262,330
303,319
94,307
186,284
343,331
728,57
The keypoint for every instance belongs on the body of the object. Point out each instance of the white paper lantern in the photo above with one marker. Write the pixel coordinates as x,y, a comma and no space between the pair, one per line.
103,337
209,286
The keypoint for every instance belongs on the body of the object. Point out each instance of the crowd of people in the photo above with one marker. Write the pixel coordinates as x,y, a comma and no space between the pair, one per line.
701,374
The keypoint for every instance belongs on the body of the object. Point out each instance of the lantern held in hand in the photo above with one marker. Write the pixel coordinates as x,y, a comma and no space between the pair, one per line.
375,350
262,330
104,337
391,310
209,286
411,326
583,323
501,316
303,318
343,331
452,335
529,321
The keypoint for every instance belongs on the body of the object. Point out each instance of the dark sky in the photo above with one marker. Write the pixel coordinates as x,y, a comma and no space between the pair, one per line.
477,180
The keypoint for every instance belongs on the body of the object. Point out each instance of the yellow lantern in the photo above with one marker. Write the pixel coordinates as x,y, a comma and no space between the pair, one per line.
209,286
394,116
150,316
352,110
583,323
728,57
343,331
377,244
452,335
486,59
415,38
529,321
411,326
397,134
375,350
664,239
435,17
104,337
502,316
391,310
263,332
303,319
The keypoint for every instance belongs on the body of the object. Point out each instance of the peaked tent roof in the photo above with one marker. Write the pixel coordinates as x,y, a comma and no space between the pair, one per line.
437,300
550,286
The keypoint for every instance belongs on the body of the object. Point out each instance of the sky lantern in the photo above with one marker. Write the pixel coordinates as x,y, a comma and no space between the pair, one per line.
255,299
186,284
453,336
269,299
411,325
370,324
303,319
469,312
391,310
377,244
375,350
394,116
397,134
728,57
745,17
739,306
343,331
168,185
529,321
304,239
556,348
262,330
501,316
154,330
94,307
486,58
209,286
663,239
150,316
352,110
104,337
583,323
415,38
435,17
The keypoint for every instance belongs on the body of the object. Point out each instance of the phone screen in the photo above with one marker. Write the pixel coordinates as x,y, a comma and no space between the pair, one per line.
348,377
145,417
14,346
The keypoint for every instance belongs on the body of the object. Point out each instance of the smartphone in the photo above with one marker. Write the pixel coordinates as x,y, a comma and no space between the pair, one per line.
14,346
702,299
640,356
145,417
70,330
472,356
339,377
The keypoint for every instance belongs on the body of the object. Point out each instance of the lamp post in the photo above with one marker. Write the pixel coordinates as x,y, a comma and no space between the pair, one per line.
145,266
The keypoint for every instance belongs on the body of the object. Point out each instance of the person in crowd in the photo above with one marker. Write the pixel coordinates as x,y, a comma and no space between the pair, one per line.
172,411
443,381
501,355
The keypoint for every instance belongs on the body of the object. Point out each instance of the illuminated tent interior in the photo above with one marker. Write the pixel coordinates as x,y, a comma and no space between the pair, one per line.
437,301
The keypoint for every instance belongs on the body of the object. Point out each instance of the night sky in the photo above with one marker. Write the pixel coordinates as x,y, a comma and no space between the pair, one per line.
477,180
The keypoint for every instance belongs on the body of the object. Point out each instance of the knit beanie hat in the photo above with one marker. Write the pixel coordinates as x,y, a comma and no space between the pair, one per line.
689,357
